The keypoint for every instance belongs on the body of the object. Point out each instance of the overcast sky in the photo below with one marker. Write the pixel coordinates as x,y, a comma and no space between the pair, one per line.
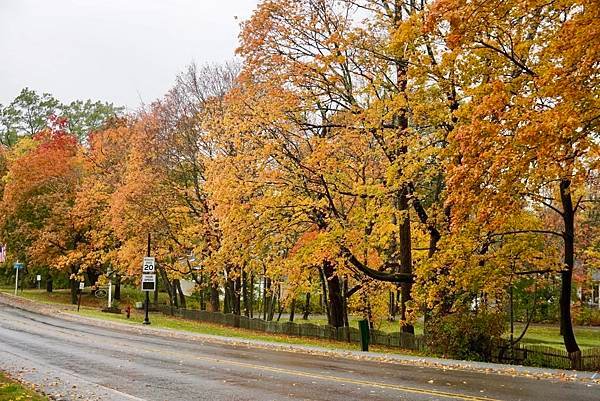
121,51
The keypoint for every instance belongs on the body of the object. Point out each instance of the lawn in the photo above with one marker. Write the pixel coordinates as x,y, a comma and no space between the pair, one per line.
383,325
549,335
13,391
168,322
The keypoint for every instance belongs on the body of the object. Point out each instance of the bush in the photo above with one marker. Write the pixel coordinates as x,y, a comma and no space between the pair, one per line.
466,336
586,316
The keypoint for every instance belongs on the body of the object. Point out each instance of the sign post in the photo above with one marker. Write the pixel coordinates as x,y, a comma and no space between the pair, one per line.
148,279
18,266
109,274
81,287
38,278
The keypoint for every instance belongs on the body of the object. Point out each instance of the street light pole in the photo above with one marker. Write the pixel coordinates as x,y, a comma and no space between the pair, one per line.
146,319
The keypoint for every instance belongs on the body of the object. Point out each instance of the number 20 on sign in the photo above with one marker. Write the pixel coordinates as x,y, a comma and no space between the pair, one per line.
148,266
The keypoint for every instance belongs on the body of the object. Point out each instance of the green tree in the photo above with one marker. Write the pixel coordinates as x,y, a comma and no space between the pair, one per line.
85,117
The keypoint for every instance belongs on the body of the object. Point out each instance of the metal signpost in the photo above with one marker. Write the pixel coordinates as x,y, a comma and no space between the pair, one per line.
38,278
81,287
148,278
18,266
109,274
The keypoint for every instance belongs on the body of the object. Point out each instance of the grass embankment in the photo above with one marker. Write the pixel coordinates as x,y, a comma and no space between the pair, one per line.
547,335
10,390
159,320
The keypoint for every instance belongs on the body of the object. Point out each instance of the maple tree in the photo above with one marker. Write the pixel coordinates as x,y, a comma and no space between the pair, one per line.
333,105
41,183
530,137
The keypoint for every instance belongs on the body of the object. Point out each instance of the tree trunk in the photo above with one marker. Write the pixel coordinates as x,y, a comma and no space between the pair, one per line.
391,306
324,294
237,295
227,298
272,303
306,307
118,287
165,279
266,297
179,291
567,274
215,304
405,260
334,290
202,293
292,309
434,238
245,294
74,289
251,295
93,276
345,303
174,285
49,284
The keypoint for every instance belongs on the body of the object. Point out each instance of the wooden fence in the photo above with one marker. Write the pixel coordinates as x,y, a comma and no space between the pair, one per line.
349,334
522,354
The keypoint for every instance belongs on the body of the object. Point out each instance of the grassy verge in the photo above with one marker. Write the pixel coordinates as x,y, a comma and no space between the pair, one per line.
129,296
13,391
168,322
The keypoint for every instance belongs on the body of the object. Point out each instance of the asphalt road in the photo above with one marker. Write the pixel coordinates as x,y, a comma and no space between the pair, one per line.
77,361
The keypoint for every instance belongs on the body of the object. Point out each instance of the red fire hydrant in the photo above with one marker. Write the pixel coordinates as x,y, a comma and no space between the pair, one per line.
128,311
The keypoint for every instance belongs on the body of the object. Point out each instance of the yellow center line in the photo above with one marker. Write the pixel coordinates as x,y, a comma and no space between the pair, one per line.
338,379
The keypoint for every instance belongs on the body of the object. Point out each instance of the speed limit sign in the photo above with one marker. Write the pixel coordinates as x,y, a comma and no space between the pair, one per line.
148,266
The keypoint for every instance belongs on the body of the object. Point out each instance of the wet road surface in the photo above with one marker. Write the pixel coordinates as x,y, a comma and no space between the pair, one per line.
78,361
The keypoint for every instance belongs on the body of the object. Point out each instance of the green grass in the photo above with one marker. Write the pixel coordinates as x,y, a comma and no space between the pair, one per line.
13,391
549,335
129,296
168,322
383,325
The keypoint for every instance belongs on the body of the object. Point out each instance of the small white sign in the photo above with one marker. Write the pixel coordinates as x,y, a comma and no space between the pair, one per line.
38,277
148,266
81,285
148,282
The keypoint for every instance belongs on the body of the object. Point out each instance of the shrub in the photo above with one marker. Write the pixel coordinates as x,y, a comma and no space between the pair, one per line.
466,336
586,316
